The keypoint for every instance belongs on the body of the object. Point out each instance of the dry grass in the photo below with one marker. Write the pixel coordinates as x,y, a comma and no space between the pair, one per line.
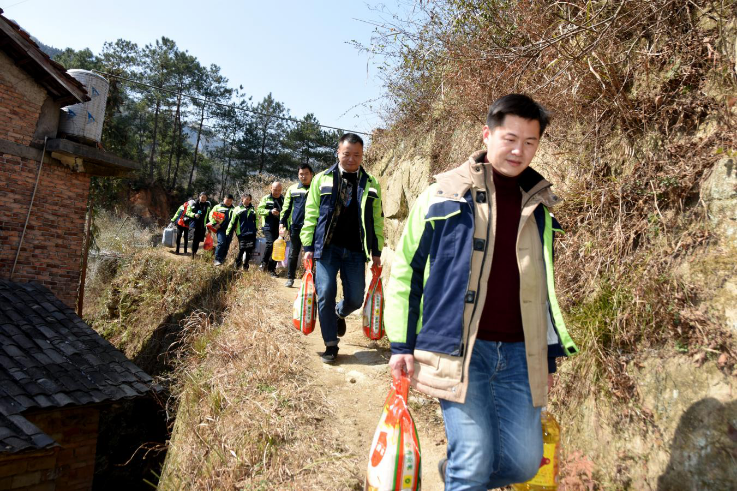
151,292
248,415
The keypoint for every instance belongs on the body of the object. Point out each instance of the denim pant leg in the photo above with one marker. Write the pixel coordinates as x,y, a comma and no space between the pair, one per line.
221,251
294,253
353,277
326,284
495,437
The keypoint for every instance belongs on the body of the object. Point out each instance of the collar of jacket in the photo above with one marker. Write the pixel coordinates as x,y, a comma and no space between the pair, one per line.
454,184
336,167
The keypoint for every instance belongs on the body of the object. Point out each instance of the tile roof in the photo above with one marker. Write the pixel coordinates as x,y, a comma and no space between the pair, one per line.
17,44
50,358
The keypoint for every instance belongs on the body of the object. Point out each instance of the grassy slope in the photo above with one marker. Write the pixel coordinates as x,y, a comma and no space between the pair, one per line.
249,416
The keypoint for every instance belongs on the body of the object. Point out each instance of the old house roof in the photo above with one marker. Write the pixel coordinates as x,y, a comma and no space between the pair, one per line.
50,358
19,46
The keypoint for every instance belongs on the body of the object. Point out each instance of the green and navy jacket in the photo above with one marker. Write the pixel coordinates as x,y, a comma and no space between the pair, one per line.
243,221
320,205
180,210
440,272
199,206
267,220
293,212
226,211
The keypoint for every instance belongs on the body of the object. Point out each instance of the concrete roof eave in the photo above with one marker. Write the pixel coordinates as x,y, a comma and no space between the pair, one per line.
88,159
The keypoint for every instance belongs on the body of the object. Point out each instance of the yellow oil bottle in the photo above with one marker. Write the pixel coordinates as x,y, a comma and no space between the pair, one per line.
547,475
280,246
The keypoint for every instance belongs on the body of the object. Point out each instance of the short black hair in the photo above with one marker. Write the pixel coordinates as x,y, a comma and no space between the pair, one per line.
304,165
202,193
350,138
518,105
229,196
247,195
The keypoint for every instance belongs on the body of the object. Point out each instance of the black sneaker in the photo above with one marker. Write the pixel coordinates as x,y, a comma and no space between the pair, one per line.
341,327
442,466
330,354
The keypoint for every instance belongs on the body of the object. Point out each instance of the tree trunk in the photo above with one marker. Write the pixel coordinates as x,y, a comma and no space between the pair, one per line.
171,150
226,173
179,153
196,146
263,151
153,144
177,127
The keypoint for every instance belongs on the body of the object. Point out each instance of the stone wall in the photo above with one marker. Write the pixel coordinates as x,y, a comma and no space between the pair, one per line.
70,466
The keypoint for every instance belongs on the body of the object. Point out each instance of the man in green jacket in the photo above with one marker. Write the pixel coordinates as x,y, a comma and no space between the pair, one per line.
293,217
471,311
243,224
268,211
220,217
343,230
183,214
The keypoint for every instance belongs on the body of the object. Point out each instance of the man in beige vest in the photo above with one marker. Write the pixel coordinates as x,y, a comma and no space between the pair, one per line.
471,311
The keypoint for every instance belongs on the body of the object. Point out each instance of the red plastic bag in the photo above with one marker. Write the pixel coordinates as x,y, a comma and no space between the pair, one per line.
373,307
395,458
304,315
209,243
183,220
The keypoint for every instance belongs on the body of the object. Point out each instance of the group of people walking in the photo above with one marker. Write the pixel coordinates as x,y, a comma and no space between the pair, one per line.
471,311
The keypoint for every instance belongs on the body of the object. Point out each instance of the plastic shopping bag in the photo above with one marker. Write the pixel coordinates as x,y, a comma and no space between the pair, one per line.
394,458
373,307
209,243
304,315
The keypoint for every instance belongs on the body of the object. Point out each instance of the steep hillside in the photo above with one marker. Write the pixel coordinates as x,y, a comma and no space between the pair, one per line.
642,150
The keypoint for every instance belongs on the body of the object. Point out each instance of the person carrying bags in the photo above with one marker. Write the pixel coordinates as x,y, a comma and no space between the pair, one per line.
268,212
343,230
244,226
218,221
471,311
293,217
182,220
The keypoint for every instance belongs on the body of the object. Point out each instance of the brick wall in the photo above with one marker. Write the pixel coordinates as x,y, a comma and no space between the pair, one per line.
70,466
54,239
21,99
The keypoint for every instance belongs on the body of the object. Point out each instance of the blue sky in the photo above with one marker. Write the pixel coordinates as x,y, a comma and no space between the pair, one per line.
296,50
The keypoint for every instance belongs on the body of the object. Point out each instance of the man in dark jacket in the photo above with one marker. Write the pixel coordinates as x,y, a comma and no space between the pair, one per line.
219,219
268,211
342,231
198,212
293,216
244,226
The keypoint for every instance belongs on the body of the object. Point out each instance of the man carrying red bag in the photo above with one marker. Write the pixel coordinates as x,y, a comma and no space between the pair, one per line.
471,310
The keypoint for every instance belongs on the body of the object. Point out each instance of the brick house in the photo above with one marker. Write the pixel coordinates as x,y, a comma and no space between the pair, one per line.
51,249
57,375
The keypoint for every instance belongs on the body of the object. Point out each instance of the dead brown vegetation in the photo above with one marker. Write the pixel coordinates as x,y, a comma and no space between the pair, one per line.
248,414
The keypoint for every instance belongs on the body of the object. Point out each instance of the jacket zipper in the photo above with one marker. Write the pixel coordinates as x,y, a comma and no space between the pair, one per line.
464,346
332,216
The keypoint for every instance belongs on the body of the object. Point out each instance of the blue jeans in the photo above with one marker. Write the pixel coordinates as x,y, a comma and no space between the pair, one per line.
352,267
495,437
221,250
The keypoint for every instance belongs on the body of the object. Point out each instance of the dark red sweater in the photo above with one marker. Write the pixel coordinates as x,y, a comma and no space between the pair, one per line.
501,320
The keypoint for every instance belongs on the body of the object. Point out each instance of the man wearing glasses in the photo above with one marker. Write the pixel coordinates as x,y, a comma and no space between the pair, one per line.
343,229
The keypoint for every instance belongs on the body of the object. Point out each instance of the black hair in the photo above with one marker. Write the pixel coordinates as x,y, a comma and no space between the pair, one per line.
247,195
350,138
202,193
229,196
518,105
304,165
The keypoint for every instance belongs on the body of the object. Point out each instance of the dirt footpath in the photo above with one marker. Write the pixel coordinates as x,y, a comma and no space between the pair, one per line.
357,385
